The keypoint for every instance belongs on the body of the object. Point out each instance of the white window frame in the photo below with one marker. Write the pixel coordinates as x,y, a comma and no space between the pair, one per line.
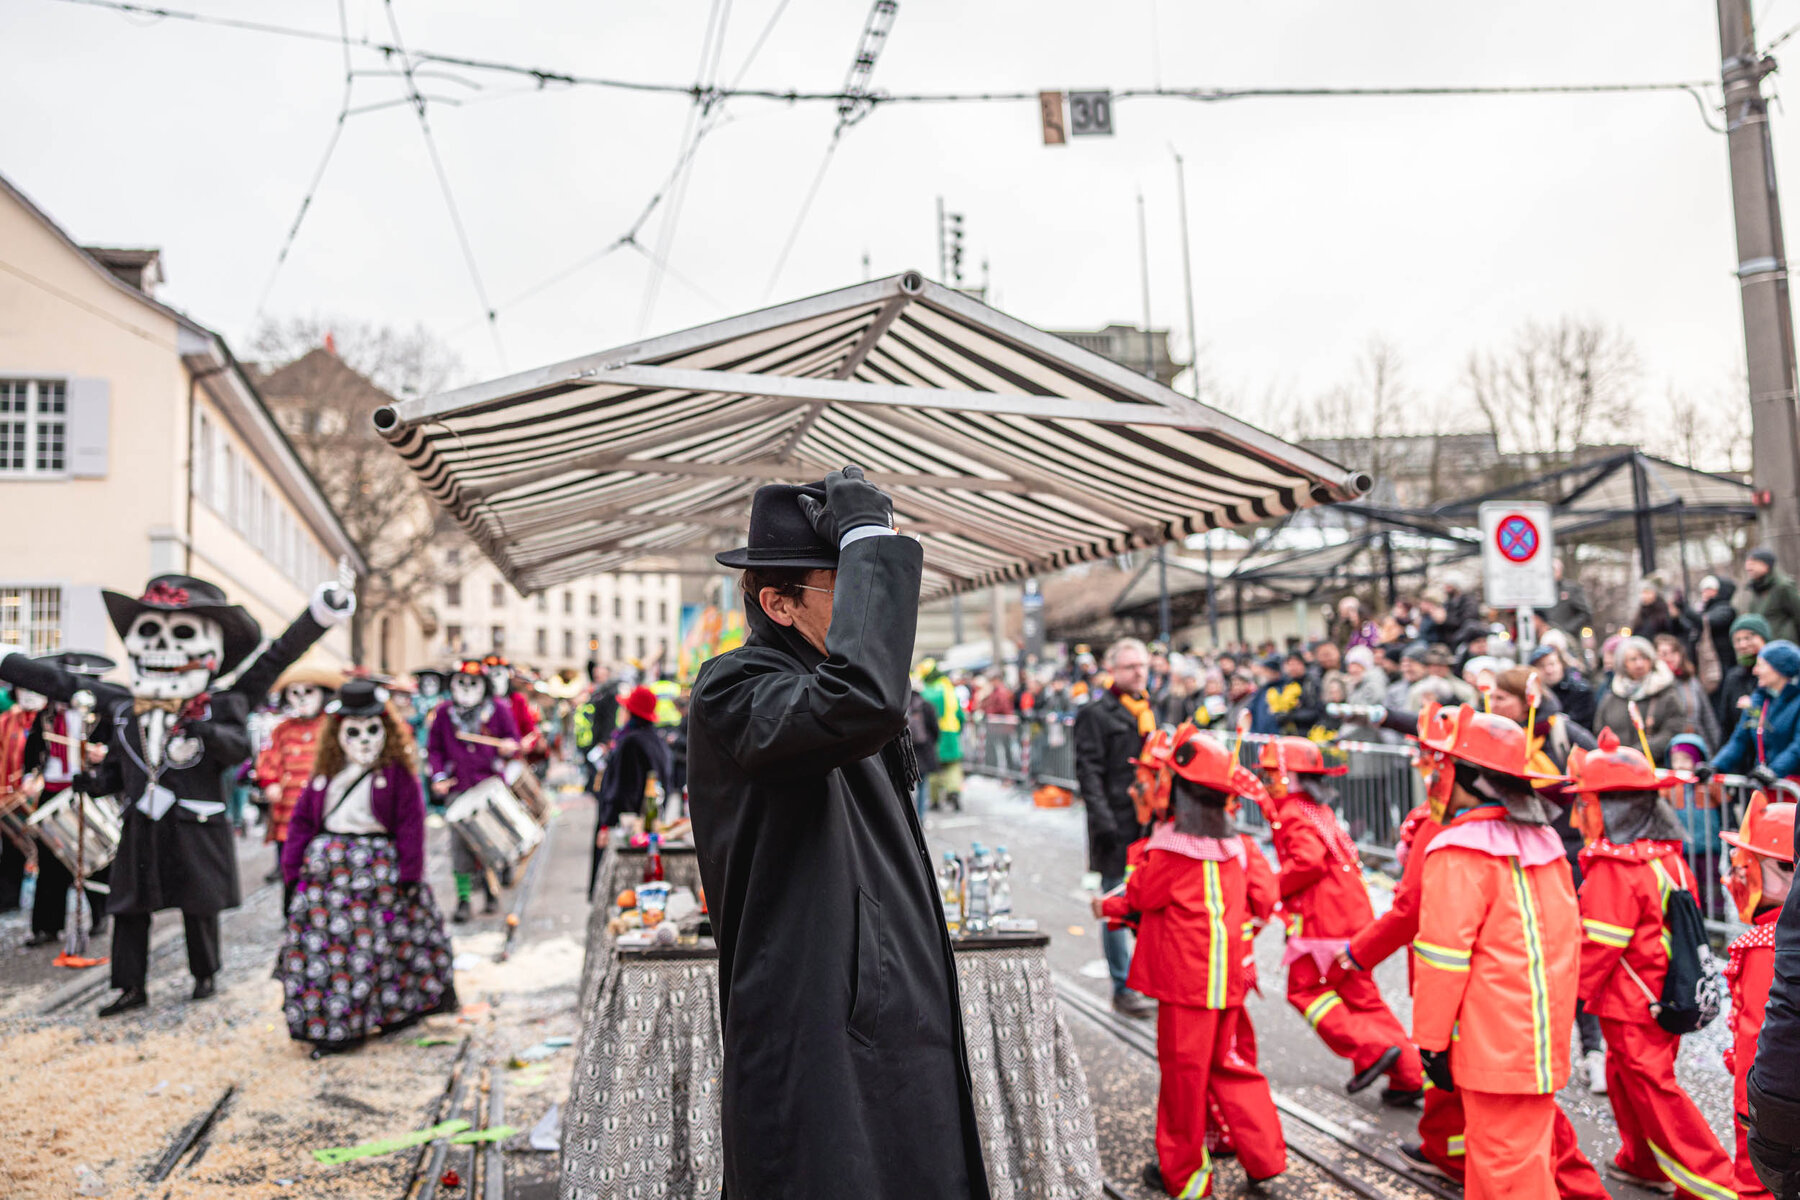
31,422
33,616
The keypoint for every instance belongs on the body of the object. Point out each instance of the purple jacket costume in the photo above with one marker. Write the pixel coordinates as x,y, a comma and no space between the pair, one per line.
466,764
397,804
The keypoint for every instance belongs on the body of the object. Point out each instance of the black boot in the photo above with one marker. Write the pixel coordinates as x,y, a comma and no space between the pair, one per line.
1377,1069
1153,1179
203,988
492,906
40,938
956,801
461,915
130,998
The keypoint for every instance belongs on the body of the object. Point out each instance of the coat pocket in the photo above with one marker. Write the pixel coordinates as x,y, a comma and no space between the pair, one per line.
865,995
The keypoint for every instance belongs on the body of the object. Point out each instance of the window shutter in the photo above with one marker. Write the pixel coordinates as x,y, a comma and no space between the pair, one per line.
90,419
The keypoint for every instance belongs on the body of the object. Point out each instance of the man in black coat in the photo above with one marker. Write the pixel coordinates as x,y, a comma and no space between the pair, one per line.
844,1063
1109,735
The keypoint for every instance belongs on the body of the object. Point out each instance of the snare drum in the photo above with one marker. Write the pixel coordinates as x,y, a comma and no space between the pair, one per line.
58,827
494,824
524,784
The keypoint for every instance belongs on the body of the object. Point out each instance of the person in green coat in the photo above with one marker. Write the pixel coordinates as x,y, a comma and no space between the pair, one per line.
1772,594
945,783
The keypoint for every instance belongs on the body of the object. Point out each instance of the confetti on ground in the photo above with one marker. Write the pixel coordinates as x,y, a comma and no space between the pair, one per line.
340,1154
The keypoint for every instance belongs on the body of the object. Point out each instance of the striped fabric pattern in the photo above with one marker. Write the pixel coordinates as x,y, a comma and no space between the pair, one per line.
1616,936
557,473
1218,962
1442,957
1315,1012
1536,976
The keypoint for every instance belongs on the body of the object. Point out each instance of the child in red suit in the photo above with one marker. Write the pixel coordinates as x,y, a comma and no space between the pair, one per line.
1193,892
1632,864
1761,875
1324,902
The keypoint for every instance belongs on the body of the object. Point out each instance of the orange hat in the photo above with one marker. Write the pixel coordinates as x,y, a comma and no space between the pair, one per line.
1480,739
1768,830
1615,768
1296,756
641,702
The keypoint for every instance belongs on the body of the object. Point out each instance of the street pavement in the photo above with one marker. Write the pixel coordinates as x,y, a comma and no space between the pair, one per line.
1048,848
97,1103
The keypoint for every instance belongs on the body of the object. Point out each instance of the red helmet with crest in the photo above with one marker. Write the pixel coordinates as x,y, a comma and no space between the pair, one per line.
1612,767
1479,738
1297,756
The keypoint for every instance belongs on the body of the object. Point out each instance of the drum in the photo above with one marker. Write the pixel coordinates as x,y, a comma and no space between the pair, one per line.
58,828
15,807
524,784
494,824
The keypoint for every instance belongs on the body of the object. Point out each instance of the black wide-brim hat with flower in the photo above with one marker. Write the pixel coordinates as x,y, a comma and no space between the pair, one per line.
780,534
359,697
174,594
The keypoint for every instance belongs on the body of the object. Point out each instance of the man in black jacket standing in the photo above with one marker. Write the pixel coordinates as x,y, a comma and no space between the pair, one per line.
1109,734
844,1063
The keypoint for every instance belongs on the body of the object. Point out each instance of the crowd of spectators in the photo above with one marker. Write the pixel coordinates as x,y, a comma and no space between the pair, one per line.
1713,679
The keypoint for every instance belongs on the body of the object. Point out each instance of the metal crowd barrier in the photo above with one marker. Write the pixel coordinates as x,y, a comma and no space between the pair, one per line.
1029,751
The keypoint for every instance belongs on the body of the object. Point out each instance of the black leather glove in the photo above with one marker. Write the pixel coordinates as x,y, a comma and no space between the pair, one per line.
1703,772
1763,775
1437,1068
851,502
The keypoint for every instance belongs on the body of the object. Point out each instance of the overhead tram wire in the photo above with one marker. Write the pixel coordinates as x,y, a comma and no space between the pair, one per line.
857,103
337,132
545,76
437,163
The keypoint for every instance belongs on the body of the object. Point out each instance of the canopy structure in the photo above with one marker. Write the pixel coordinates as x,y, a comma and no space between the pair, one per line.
1008,451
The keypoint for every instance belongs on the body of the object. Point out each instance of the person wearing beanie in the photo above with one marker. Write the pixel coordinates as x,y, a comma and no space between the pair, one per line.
1772,594
1766,743
1749,634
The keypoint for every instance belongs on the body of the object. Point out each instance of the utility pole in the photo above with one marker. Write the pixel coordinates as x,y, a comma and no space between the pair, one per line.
1763,281
1162,550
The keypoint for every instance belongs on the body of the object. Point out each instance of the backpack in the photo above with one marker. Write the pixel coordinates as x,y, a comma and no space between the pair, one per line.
1693,992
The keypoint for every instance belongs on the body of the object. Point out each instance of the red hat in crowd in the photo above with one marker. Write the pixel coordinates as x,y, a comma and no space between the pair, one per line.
641,702
1298,756
1615,768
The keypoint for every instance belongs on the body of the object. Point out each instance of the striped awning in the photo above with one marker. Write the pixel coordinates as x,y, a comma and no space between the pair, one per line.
1007,451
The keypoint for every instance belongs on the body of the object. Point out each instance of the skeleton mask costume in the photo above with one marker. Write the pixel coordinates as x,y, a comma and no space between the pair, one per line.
30,701
431,687
173,655
362,739
499,679
468,697
303,701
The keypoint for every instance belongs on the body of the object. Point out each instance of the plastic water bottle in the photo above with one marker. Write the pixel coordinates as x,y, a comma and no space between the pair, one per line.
981,873
1000,889
950,881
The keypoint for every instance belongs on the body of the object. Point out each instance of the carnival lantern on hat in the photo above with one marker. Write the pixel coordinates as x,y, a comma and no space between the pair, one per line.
1767,832
1609,767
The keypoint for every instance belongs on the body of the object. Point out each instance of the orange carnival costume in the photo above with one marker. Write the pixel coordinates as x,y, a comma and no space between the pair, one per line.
1631,868
1497,944
1323,903
1768,832
1194,893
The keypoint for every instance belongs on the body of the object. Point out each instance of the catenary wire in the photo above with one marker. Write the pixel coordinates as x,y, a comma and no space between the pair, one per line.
545,76
437,164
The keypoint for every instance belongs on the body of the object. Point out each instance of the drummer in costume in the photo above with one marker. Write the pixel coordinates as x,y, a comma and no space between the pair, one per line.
504,680
1324,901
366,950
428,693
168,742
285,765
459,761
51,751
16,849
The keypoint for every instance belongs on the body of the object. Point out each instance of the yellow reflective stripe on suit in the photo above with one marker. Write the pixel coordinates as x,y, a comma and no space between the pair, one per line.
1315,1012
1217,964
1536,976
1687,1180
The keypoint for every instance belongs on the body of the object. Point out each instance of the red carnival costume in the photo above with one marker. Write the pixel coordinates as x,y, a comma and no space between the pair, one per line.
1767,832
1625,888
286,765
1497,944
1323,903
1194,894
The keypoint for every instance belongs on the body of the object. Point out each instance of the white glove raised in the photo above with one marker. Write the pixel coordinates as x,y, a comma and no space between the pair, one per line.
332,604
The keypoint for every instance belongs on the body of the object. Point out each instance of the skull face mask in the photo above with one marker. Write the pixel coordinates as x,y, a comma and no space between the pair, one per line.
429,688
173,655
500,679
303,700
29,701
468,691
362,739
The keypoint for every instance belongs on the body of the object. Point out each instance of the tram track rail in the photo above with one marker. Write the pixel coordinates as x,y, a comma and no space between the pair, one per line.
1345,1157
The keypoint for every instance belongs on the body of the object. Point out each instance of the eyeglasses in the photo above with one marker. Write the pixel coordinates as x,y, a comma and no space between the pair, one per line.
807,588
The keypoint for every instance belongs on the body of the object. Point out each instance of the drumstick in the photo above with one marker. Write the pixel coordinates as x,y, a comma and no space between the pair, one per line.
482,739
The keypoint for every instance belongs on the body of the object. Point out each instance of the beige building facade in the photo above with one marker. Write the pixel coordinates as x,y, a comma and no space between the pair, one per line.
617,619
132,444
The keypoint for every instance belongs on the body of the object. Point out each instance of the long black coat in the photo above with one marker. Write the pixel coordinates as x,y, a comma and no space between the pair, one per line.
1107,743
639,753
844,1064
187,859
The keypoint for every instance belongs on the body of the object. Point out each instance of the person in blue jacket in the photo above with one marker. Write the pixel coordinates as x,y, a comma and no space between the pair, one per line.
1766,743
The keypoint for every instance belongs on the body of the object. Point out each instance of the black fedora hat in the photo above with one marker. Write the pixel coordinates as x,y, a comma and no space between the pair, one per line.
79,662
780,534
359,697
185,594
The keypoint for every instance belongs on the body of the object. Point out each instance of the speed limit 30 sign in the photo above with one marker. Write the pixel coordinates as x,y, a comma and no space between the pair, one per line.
1517,555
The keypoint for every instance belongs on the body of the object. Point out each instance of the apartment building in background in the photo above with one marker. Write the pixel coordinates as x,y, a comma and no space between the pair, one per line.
133,444
617,619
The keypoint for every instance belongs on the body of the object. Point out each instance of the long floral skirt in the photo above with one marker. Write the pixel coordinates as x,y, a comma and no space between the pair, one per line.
364,953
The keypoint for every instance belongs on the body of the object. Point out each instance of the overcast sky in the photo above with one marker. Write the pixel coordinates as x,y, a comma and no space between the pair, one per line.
1441,224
